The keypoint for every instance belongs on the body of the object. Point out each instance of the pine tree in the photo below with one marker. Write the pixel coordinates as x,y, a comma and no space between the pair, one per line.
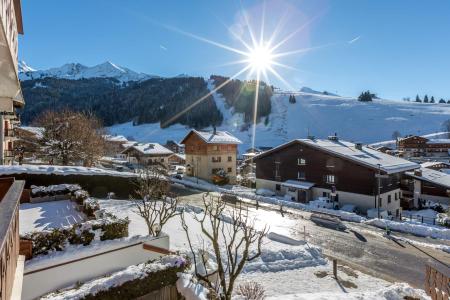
418,99
292,99
432,99
425,99
441,101
366,96
448,101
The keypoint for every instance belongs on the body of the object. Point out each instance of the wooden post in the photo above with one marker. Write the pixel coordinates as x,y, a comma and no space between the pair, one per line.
335,268
304,233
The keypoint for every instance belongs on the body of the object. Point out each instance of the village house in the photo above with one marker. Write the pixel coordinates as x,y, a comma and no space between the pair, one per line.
177,159
27,142
174,146
425,184
348,173
115,144
145,154
422,147
209,153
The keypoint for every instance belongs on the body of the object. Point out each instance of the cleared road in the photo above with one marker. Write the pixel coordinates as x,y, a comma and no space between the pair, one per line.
361,246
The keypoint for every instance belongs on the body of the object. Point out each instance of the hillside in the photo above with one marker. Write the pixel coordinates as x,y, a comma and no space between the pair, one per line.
320,115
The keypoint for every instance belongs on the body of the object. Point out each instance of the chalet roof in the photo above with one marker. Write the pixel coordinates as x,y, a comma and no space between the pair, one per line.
181,156
149,149
115,138
429,164
304,185
37,131
438,141
364,156
432,176
218,137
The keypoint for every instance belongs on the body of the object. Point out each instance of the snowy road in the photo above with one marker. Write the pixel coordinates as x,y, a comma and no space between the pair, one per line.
362,247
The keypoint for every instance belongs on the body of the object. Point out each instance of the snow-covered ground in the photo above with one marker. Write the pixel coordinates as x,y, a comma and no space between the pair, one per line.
284,267
316,114
45,215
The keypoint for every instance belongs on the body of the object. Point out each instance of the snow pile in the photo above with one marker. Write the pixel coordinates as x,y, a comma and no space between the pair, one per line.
57,189
60,170
133,272
190,289
415,228
276,257
397,291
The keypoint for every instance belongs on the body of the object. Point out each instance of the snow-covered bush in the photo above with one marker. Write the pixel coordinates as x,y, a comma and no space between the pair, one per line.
133,282
80,196
52,190
111,227
90,206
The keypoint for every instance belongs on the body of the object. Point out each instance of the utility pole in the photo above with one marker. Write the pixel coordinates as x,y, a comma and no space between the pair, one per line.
379,176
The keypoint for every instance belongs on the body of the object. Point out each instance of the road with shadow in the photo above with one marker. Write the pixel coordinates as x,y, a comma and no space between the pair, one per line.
362,247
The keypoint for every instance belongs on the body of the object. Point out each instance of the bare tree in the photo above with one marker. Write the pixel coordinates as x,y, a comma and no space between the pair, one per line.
234,242
71,137
153,203
251,291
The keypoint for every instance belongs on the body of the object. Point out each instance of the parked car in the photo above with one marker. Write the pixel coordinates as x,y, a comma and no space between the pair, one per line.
328,221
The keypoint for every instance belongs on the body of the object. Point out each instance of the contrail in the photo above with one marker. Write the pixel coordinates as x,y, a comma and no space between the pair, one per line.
354,40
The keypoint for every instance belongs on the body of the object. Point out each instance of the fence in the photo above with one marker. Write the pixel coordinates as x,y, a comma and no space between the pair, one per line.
437,284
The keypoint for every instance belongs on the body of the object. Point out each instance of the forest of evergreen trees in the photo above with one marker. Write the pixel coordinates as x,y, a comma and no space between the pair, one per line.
241,95
150,101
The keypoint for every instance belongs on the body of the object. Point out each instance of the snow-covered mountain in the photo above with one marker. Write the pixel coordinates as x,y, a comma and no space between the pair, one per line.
313,114
78,71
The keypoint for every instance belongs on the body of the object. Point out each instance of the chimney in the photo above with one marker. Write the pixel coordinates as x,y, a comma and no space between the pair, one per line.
333,137
358,146
418,172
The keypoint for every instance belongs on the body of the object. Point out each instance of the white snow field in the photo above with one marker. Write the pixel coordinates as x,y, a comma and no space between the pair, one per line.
316,114
45,215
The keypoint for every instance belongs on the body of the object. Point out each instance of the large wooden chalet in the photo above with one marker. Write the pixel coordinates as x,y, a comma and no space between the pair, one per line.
418,146
305,169
210,152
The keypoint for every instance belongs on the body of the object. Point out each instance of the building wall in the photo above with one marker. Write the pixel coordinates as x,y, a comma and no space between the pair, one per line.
350,176
135,157
363,202
203,159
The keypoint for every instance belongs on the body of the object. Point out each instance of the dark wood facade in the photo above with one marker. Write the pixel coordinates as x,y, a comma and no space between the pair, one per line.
285,164
421,146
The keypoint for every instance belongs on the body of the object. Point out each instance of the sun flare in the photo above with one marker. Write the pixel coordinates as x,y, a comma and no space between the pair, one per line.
260,58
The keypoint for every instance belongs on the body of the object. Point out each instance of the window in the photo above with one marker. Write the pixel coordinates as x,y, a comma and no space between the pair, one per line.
399,195
301,175
301,161
162,160
277,187
215,148
330,179
216,159
229,170
389,198
230,158
396,196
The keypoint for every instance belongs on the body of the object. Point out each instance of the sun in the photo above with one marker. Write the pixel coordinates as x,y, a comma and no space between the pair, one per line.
260,58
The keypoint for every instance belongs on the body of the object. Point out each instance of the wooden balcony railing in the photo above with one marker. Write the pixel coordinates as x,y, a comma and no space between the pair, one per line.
10,192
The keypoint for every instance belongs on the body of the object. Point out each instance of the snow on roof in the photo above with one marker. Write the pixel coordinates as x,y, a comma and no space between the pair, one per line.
298,184
428,164
151,149
60,170
430,175
219,137
37,131
115,138
438,141
365,156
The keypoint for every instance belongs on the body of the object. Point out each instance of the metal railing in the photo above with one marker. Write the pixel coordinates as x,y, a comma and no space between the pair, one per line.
9,234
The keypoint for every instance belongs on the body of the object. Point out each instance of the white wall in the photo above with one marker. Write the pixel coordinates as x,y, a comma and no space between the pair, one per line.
55,277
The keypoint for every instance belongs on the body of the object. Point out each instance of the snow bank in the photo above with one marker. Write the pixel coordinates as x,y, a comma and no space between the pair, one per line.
60,170
398,291
117,279
415,228
189,289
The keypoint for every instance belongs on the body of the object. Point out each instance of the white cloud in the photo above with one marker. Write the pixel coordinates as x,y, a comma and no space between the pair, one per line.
354,39
162,47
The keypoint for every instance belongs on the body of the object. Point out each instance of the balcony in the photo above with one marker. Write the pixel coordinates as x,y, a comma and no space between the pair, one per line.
10,132
11,26
10,193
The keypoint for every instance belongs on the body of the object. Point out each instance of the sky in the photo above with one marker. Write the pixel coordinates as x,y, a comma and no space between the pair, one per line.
395,49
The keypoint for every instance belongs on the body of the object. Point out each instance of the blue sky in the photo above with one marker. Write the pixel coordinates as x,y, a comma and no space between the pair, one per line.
394,48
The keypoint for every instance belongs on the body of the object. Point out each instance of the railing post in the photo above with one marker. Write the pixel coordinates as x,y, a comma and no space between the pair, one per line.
335,268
